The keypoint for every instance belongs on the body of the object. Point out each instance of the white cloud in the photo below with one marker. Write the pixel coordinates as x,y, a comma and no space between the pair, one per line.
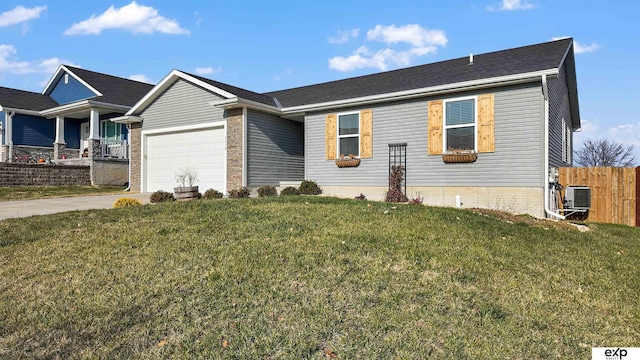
343,36
422,42
141,77
626,134
133,17
8,63
20,14
510,5
579,48
413,34
381,59
207,70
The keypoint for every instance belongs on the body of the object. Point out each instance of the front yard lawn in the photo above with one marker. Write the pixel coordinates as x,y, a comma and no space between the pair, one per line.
308,277
41,192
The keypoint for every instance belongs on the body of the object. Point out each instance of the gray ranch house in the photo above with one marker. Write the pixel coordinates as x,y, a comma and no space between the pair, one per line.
481,131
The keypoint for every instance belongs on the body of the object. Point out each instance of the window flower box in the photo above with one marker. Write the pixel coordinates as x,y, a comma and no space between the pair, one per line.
458,156
347,161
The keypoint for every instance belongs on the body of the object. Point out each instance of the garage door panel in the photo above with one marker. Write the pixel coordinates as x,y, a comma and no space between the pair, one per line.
170,153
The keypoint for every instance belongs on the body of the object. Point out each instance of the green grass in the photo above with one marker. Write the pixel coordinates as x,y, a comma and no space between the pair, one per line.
303,276
41,192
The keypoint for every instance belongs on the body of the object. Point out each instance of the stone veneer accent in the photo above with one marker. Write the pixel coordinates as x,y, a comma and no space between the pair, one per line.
95,151
234,148
135,136
5,153
31,154
58,150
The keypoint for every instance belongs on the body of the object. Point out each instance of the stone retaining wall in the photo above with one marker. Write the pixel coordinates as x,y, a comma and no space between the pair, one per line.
31,154
14,175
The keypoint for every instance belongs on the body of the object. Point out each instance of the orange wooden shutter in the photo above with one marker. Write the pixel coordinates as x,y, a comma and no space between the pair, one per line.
331,137
366,134
486,123
435,127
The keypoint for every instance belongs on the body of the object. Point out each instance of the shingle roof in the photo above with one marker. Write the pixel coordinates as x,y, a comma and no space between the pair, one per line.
115,90
25,100
520,60
239,92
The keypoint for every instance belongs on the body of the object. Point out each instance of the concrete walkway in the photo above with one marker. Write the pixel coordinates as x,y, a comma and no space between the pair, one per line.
25,208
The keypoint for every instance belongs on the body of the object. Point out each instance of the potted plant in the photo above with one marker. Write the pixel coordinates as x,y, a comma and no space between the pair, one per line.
347,161
457,156
186,190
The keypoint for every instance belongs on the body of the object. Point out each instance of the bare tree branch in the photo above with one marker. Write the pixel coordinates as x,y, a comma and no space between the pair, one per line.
604,152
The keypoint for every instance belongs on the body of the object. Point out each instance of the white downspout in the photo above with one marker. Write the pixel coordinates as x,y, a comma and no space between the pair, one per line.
129,154
9,130
545,92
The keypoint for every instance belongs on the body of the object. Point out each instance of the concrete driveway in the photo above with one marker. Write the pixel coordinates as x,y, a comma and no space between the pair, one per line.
25,208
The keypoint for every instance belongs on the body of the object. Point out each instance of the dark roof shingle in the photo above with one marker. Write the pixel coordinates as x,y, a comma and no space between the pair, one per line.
520,60
115,90
25,100
239,92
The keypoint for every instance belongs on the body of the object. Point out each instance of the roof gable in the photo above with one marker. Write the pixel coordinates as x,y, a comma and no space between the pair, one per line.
106,88
68,89
224,91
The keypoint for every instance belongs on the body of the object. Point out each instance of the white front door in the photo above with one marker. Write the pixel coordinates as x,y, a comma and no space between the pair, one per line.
84,137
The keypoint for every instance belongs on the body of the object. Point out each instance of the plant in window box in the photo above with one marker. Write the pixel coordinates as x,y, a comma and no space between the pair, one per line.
458,156
347,161
186,190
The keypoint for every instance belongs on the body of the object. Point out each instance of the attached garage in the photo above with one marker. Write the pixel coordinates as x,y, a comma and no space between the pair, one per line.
169,151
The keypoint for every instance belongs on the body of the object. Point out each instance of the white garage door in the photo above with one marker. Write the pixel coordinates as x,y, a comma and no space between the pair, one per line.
170,153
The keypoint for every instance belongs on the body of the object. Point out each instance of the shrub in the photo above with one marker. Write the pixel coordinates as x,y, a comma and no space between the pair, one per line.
239,193
289,190
395,182
361,197
268,190
417,200
126,202
212,194
309,187
161,196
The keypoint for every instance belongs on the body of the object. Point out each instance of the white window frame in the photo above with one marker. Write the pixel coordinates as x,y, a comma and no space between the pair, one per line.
445,127
338,136
102,128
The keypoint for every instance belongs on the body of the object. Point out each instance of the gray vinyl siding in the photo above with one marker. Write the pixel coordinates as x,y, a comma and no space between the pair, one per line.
516,161
181,104
559,108
275,149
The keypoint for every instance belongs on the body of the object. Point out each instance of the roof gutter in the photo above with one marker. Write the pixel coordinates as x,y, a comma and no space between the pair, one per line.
20,111
546,176
429,91
126,119
236,102
82,105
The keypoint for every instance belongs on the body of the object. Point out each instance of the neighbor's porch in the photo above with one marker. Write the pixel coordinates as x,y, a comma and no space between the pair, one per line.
98,137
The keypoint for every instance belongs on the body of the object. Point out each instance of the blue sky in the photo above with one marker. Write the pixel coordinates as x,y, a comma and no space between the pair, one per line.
262,46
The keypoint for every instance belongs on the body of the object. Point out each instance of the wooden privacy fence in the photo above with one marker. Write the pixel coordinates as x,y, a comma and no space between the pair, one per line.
614,192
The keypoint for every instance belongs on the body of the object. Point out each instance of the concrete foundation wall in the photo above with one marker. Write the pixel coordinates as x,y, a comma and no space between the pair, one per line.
14,175
529,200
109,172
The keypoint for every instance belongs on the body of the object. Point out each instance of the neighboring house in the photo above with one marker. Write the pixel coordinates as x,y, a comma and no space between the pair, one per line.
68,120
513,111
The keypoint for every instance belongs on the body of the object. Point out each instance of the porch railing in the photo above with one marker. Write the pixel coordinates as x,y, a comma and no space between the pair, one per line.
114,148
